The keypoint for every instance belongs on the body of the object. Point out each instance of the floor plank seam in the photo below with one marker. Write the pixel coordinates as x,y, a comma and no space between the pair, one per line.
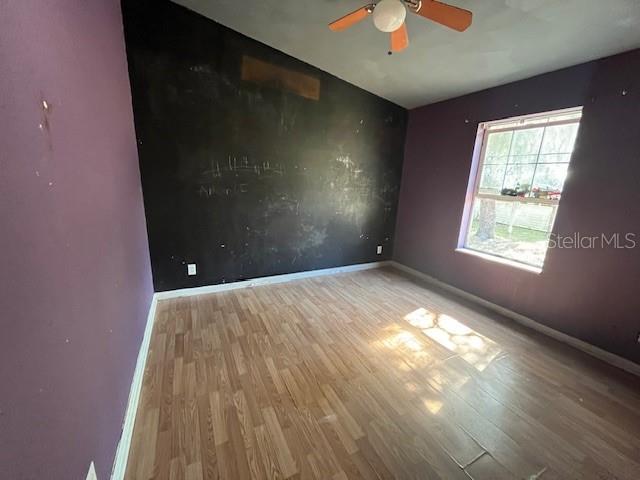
369,375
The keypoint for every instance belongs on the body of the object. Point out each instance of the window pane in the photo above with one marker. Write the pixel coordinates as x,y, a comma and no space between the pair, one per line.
526,142
498,145
519,178
555,158
491,180
549,180
524,166
531,159
560,138
512,230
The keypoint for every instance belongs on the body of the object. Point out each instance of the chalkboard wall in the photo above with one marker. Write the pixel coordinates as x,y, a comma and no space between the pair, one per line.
254,163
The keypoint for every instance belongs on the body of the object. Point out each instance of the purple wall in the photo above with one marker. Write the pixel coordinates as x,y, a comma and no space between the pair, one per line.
75,282
589,294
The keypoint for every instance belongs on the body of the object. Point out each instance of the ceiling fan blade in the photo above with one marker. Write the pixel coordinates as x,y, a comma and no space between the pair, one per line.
351,19
453,17
400,39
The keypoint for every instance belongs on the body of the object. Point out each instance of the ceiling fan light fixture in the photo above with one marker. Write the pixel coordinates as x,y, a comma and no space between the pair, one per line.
389,15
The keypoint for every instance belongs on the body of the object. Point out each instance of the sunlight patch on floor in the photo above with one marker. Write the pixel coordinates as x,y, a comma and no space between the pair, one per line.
434,406
414,349
471,346
403,339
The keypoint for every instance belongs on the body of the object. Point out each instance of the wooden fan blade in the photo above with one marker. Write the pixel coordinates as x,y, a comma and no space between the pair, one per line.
453,17
400,39
350,19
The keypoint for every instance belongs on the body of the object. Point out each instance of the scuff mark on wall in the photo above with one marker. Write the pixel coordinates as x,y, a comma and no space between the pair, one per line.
45,123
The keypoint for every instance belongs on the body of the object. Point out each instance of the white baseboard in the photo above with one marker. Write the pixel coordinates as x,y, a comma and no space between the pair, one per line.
186,292
122,452
592,350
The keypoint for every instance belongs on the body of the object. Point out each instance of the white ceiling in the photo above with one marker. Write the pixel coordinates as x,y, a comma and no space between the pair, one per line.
509,40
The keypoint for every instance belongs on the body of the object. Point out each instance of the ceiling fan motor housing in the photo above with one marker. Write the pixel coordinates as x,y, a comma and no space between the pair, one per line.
389,15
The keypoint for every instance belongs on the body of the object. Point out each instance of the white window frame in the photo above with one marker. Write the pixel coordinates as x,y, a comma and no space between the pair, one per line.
505,125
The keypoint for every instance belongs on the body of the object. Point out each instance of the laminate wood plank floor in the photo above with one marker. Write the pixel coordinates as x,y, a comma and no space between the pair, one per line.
371,375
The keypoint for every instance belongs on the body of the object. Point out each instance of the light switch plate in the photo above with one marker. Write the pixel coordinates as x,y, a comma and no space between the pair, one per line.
191,269
379,249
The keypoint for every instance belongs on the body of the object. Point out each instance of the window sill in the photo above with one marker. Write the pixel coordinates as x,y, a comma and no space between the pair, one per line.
500,260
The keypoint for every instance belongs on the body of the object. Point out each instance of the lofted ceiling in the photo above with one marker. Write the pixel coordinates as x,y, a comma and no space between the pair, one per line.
509,40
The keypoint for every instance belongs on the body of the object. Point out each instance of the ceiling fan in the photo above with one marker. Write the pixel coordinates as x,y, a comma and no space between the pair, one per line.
389,16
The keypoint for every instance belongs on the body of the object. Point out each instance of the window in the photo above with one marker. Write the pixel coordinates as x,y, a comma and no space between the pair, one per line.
520,165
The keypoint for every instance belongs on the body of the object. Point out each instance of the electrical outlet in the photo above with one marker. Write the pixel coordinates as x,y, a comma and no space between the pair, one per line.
191,269
379,249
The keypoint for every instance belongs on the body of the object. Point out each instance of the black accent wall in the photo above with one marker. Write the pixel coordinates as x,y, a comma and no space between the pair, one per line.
252,178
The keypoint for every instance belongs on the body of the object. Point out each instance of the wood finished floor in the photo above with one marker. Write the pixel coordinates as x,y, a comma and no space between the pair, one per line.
371,375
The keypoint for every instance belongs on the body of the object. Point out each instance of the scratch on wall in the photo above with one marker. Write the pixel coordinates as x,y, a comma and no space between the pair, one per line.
45,123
